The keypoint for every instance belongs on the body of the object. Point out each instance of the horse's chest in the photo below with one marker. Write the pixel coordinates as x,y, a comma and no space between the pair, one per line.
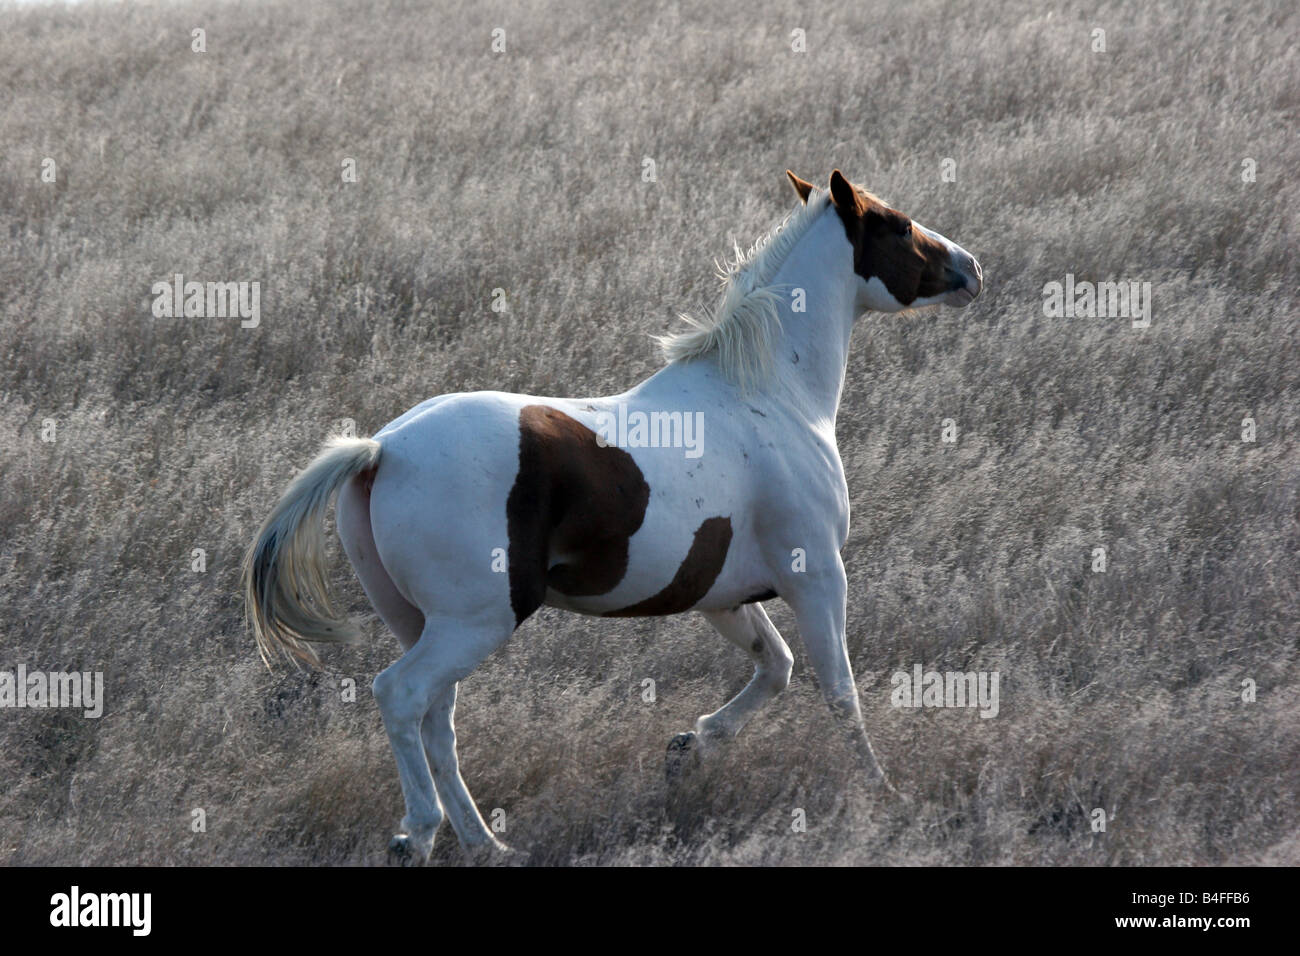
812,499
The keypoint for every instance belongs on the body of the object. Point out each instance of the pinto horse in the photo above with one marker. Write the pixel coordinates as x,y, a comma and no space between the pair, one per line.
470,511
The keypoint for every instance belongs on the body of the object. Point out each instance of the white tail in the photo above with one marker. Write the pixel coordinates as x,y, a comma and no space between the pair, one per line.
286,592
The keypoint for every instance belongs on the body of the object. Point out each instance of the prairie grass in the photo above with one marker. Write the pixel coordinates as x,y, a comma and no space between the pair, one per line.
522,171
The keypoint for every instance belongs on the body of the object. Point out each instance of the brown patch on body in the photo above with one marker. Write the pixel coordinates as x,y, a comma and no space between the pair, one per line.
910,264
574,498
694,577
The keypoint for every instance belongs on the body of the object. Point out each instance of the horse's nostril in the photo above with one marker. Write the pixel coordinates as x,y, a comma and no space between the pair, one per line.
965,278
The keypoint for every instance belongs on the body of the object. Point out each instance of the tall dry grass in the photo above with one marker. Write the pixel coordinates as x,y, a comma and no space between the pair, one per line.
522,171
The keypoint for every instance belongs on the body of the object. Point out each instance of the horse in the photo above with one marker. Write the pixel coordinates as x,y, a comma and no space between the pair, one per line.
470,511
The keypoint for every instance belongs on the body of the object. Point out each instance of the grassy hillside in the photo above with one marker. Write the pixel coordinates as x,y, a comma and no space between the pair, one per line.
522,171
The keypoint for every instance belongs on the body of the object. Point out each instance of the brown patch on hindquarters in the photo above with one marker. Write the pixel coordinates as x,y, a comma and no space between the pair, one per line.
572,497
910,264
693,579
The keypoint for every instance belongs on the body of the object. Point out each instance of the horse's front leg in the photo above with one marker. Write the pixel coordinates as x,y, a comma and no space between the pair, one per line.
818,597
749,628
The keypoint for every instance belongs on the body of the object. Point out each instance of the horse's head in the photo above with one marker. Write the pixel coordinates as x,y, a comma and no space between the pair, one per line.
900,264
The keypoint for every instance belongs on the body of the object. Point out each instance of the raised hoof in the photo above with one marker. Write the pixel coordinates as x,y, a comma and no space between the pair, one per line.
403,850
683,752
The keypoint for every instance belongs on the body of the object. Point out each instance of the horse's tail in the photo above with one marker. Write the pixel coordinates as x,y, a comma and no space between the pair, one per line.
286,592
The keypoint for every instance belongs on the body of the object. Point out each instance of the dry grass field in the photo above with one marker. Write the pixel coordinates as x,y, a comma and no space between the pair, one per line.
522,171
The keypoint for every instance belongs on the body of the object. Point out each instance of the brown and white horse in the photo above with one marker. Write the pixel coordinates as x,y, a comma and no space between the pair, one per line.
711,486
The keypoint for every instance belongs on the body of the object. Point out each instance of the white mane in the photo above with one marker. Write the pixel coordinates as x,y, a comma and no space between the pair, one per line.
744,327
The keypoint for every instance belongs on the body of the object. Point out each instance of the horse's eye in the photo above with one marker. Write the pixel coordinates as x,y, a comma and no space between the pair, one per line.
906,231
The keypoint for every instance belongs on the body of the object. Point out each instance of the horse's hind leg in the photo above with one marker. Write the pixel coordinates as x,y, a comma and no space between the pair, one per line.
418,689
749,628
439,733
356,533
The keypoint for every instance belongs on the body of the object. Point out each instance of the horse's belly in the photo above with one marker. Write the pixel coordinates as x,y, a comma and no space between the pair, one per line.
712,567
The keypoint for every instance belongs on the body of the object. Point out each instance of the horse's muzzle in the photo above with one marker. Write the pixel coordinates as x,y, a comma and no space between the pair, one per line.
967,280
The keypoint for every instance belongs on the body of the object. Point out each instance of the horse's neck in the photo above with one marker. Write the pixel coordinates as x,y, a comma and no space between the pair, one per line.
811,358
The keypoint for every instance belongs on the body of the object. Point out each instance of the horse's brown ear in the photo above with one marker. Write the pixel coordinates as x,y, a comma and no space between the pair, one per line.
842,192
801,187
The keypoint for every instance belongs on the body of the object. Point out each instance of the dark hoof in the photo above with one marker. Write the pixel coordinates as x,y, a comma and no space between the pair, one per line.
683,751
401,852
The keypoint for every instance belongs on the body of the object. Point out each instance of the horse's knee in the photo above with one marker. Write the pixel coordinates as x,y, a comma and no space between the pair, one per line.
780,669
